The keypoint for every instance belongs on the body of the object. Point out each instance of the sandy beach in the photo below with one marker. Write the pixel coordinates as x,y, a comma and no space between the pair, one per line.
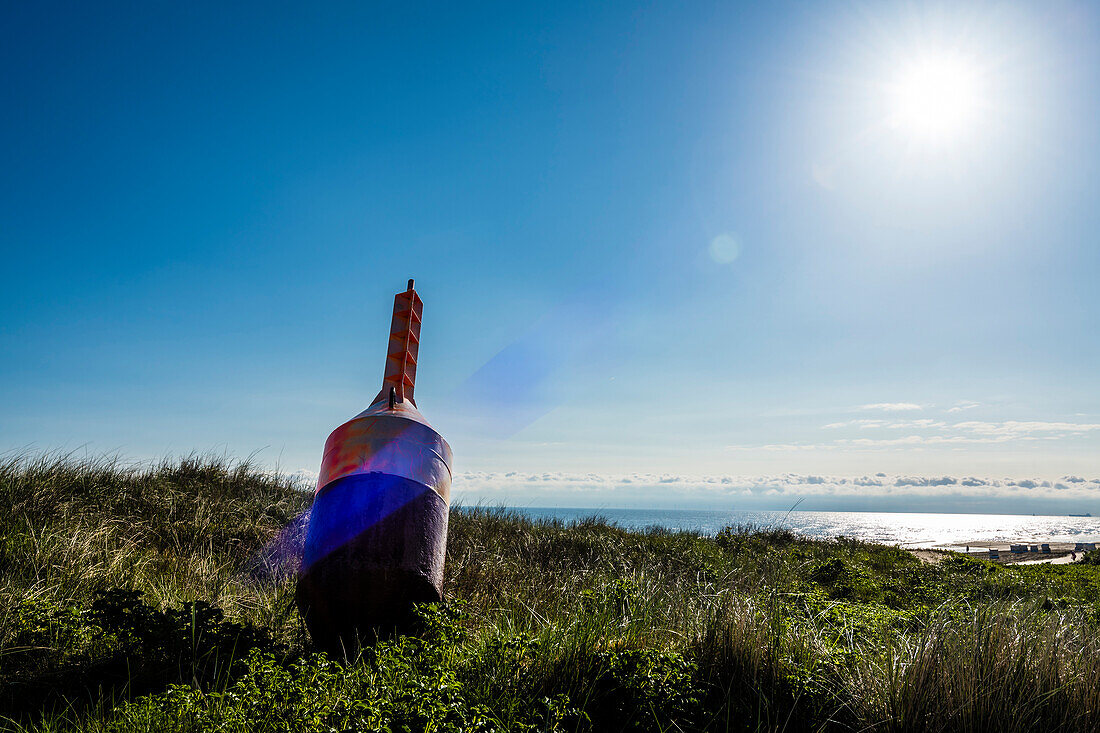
1060,553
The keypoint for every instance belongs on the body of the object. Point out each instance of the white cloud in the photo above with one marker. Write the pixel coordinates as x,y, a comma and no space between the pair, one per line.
560,487
921,440
875,424
783,447
929,432
892,406
303,476
925,481
867,442
1014,429
962,405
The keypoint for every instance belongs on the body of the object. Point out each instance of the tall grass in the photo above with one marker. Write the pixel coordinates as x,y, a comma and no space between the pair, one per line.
179,531
138,597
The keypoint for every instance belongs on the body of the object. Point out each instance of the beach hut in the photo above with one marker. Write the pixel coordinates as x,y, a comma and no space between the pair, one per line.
1046,547
994,555
1033,548
1017,548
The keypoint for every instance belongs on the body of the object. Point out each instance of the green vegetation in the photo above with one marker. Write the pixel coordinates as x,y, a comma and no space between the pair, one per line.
149,599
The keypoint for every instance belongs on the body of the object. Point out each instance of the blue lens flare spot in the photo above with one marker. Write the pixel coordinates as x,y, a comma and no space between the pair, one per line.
351,508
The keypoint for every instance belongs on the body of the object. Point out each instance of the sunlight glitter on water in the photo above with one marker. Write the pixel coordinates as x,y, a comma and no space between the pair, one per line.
905,529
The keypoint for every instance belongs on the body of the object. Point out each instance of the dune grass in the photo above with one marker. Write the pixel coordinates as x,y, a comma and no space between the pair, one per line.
141,598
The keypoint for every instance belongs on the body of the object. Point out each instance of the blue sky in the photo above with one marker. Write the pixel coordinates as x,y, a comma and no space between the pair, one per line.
695,248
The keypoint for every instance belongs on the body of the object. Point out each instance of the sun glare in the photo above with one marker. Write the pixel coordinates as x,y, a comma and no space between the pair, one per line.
935,97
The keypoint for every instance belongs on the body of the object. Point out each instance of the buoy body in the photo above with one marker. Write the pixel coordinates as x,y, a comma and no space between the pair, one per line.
378,526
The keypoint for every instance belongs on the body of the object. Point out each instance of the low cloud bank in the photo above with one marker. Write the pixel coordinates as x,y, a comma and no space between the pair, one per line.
872,492
878,491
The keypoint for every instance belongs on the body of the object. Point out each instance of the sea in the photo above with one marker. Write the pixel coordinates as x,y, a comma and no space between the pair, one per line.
911,530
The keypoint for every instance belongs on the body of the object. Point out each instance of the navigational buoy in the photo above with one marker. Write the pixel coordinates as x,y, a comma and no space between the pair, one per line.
378,527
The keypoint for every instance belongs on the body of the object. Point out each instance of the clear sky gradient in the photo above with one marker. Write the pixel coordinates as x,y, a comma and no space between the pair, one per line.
670,254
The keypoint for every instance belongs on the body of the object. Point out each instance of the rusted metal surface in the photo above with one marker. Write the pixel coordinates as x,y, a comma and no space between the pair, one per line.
378,527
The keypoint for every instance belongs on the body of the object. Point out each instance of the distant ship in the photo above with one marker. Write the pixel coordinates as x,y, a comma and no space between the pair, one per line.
1086,514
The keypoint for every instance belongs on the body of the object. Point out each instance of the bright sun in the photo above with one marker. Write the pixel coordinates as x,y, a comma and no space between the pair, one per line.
935,97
